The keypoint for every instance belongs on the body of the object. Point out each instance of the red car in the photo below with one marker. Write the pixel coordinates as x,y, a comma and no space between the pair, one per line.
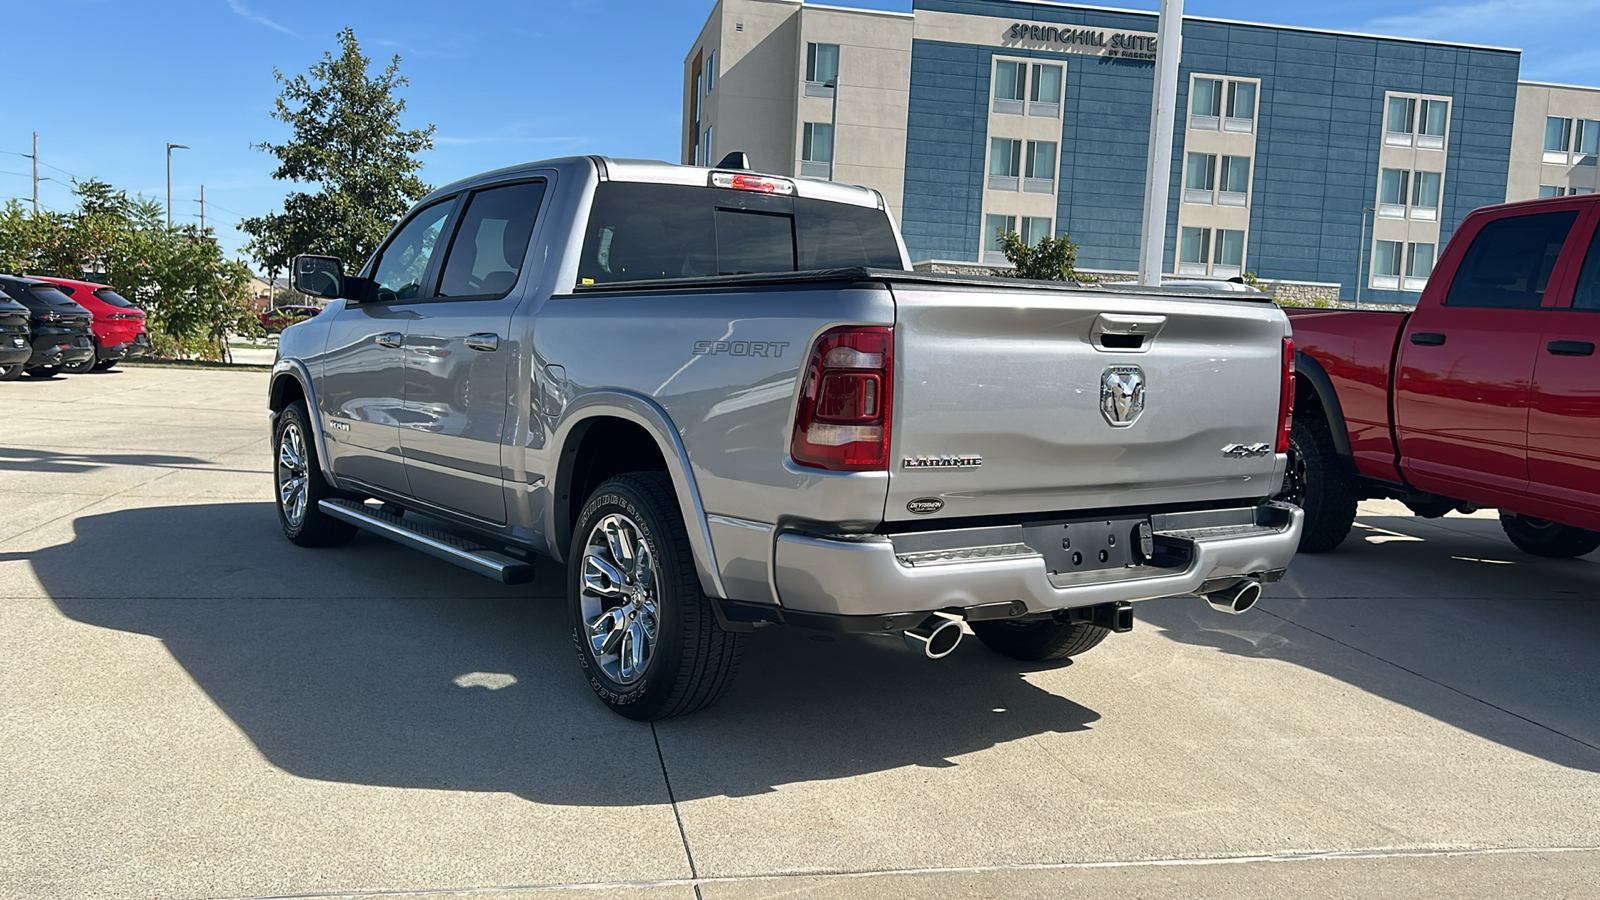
119,331
1487,395
278,318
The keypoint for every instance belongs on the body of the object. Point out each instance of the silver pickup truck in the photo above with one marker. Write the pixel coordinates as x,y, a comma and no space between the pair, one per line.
721,400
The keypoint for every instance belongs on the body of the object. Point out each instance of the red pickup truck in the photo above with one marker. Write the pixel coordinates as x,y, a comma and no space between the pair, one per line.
1487,395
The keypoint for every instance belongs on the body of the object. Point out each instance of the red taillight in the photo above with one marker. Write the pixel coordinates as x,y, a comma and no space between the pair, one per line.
1286,401
842,422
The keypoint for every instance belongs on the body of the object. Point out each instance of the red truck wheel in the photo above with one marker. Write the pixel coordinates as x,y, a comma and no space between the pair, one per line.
1541,537
1319,483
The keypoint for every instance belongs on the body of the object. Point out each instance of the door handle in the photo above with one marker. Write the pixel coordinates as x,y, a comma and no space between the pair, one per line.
483,341
390,339
1427,338
1570,348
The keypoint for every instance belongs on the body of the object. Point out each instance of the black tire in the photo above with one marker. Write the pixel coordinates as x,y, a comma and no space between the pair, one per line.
294,456
11,372
44,371
689,661
1035,641
1541,537
1319,483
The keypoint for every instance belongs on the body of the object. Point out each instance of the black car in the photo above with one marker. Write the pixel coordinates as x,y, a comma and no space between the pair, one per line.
15,348
61,328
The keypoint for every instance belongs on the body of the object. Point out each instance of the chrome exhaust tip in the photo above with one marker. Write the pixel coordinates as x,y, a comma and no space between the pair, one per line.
936,638
1237,597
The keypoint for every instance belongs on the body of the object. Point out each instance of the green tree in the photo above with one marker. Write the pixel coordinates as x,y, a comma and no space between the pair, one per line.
1052,259
347,142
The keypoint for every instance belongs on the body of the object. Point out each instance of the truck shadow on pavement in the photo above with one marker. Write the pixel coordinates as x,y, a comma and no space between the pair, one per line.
371,664
32,459
1443,616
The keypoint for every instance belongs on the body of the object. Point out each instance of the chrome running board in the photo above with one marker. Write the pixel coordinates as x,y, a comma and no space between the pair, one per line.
451,548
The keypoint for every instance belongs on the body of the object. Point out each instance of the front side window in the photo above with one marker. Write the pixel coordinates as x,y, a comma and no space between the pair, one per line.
1587,294
486,253
1509,263
404,261
822,63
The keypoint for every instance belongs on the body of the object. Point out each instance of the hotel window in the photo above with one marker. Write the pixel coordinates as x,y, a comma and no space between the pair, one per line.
1568,141
1416,122
1205,104
1386,265
1199,178
822,68
1234,188
1229,258
1034,230
1393,184
1194,250
1425,196
816,150
708,156
1419,264
1241,111
993,227
1040,175
1010,86
1044,91
1005,164
711,71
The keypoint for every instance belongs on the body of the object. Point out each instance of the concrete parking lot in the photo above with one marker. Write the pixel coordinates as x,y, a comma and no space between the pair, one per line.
192,707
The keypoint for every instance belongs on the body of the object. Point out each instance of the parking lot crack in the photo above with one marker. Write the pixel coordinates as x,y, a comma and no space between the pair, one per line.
1434,681
677,816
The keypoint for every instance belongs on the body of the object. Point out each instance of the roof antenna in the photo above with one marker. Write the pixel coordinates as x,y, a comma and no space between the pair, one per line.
735,160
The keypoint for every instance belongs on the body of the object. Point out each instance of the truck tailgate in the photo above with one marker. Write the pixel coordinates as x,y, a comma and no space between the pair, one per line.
1017,377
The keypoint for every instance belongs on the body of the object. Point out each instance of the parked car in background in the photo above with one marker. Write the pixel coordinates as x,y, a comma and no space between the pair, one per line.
61,335
1487,395
276,319
14,346
119,331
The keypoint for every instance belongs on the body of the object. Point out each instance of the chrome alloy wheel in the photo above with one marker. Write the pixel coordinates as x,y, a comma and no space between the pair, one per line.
620,598
293,487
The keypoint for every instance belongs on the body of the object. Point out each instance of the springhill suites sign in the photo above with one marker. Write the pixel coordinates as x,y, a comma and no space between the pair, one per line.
1093,41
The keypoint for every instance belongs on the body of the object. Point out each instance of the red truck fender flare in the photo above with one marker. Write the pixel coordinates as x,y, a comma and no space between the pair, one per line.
1309,372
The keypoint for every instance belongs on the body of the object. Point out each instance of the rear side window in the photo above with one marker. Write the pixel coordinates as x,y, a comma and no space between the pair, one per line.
486,253
1509,263
112,298
646,231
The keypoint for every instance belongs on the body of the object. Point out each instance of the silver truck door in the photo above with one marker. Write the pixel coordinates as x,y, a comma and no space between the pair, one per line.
460,353
362,384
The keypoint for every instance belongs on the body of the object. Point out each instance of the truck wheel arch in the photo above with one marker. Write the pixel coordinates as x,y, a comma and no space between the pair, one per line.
1315,394
603,415
291,382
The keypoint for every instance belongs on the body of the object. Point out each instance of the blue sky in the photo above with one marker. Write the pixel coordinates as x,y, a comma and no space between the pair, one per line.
504,81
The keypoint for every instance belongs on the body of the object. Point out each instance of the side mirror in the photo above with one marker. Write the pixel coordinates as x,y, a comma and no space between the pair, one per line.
319,276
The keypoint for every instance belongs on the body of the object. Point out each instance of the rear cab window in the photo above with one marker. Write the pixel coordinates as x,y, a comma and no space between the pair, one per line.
640,232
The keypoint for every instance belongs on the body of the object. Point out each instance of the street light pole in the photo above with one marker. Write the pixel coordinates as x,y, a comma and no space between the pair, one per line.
35,173
1163,114
833,122
170,148
1361,253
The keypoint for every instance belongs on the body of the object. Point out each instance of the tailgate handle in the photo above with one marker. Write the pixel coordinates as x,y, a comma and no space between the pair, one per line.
1124,333
1570,348
1427,338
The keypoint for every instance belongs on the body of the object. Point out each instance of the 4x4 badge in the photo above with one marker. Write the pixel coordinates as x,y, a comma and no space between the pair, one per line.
1122,394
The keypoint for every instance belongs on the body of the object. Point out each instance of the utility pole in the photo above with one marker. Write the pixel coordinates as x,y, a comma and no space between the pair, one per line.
202,209
1163,115
35,159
